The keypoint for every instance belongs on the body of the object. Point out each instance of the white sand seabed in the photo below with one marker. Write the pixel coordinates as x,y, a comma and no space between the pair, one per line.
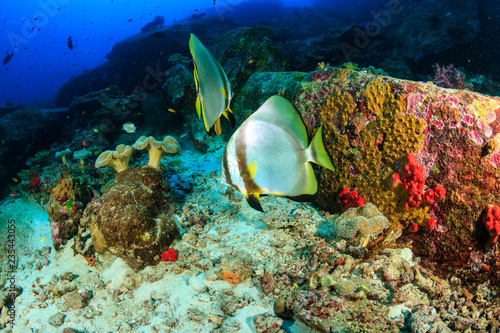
180,298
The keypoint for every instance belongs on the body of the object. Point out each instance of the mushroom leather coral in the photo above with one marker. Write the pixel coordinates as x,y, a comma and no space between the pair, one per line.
117,159
157,149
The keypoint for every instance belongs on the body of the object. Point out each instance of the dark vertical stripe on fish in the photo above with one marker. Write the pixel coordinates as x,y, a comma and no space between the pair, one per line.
227,174
241,158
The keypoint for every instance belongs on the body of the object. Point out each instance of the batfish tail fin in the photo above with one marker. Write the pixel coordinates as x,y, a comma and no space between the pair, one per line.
317,152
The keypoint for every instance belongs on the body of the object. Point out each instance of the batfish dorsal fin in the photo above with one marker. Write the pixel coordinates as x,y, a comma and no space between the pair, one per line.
280,112
253,201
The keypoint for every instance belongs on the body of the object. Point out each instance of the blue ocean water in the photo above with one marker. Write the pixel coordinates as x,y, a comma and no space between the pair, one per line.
36,34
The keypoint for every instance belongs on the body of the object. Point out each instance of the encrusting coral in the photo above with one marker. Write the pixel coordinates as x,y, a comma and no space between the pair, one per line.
133,218
453,136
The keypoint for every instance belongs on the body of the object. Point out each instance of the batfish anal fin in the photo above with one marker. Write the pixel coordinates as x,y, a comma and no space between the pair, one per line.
253,201
217,126
198,107
303,197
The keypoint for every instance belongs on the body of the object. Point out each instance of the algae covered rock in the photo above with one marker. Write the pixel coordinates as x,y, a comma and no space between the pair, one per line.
132,219
247,50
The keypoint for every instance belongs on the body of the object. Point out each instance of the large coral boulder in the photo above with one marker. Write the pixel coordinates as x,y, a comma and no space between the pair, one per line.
133,219
372,124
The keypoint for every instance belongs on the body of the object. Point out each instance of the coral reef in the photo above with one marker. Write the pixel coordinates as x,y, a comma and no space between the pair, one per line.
371,124
246,50
65,209
133,218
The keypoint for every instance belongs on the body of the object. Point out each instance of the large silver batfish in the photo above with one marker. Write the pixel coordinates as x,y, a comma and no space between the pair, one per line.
269,154
212,87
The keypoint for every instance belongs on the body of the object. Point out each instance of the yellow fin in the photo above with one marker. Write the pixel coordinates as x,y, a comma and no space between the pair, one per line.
229,116
217,127
318,153
198,107
196,80
250,172
224,92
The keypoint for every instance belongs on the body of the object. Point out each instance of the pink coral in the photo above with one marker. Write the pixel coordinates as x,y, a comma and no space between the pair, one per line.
491,221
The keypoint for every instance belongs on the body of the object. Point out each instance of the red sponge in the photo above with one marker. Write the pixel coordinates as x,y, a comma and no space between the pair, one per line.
492,222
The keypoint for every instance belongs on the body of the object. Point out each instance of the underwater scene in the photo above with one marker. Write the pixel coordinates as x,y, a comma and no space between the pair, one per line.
296,166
